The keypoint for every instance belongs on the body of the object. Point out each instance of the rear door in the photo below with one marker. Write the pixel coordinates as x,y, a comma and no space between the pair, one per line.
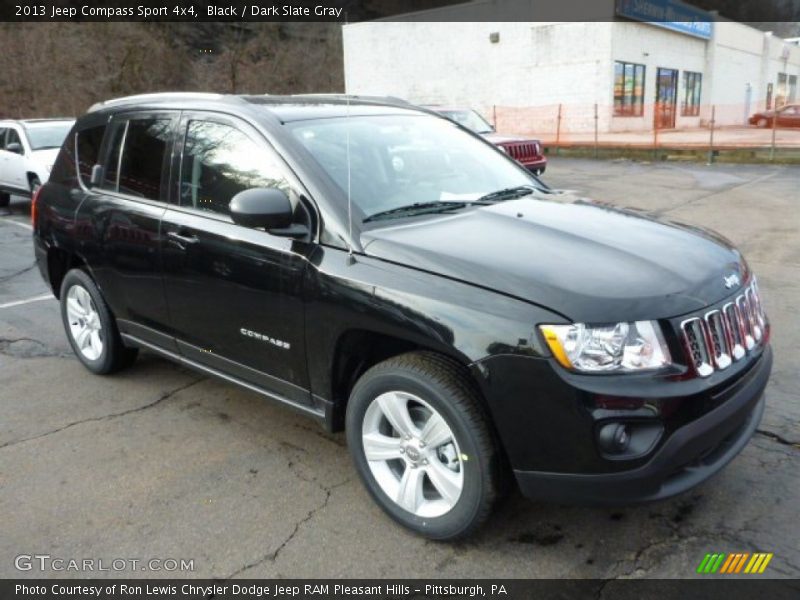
234,293
120,221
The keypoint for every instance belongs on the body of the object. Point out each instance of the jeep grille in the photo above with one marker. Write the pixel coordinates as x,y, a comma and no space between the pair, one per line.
722,336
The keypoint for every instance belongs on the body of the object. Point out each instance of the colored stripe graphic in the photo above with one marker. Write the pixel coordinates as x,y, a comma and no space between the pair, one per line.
727,564
720,562
702,566
741,562
764,564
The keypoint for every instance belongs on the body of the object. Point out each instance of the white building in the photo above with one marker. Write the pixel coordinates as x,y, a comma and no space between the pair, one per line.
633,71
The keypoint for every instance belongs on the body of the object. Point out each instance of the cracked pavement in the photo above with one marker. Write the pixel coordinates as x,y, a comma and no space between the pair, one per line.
160,462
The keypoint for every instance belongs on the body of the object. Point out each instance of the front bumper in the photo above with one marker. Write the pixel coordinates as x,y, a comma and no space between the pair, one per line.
690,455
537,166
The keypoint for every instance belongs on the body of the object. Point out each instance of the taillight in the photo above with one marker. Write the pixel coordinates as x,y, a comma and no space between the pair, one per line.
34,200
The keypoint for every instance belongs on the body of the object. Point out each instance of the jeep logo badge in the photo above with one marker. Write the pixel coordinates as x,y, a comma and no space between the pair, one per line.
731,281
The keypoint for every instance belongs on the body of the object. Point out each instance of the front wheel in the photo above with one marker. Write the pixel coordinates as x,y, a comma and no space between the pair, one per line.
90,328
5,199
422,445
762,122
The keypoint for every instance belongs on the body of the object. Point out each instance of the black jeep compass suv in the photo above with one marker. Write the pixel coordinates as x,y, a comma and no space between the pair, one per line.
387,272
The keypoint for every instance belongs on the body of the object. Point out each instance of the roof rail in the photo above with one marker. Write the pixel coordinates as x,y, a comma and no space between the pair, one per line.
156,96
386,99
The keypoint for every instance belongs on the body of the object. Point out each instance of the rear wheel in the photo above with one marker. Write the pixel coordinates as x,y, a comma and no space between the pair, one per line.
90,327
762,122
34,183
422,445
5,199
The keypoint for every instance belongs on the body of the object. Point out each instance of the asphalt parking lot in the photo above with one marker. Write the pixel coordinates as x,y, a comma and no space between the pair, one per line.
159,462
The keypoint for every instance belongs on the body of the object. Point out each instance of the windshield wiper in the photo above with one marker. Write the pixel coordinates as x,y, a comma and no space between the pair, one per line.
509,193
419,208
45,148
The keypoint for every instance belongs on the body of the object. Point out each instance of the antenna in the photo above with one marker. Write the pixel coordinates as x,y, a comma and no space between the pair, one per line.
350,258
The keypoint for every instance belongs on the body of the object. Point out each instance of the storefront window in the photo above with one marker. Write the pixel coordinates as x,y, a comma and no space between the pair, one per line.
628,89
692,85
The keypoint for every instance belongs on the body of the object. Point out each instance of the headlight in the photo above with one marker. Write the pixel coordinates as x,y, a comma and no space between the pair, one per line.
616,348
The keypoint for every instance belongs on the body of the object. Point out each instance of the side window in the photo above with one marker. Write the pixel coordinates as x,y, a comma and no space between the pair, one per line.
3,137
142,145
88,147
220,161
143,157
13,138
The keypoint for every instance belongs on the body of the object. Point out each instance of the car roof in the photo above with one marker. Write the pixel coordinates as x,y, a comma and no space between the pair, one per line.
43,122
37,121
284,108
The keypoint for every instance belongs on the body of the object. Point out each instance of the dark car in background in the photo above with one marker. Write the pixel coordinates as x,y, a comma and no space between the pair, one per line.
529,152
786,116
383,271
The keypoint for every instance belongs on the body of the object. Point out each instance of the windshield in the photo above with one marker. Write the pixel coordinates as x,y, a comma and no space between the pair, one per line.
47,136
469,119
398,161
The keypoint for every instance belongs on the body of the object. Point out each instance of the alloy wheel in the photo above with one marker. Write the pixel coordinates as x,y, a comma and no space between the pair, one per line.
84,323
412,454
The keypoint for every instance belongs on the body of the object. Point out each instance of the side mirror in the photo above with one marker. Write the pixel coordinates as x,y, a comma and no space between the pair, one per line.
15,147
262,207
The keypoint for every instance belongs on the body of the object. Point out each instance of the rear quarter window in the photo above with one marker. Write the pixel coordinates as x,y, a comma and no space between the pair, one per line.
80,152
88,146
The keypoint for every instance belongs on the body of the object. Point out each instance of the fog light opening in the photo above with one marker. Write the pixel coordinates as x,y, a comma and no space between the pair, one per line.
614,438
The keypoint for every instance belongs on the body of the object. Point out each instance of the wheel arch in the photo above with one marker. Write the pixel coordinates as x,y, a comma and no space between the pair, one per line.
59,263
357,350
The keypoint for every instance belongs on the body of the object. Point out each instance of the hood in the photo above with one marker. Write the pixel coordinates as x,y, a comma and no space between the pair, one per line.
499,138
588,262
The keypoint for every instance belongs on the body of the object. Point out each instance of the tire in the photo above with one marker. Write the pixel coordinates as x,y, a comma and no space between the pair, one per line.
5,199
90,326
34,184
466,466
762,122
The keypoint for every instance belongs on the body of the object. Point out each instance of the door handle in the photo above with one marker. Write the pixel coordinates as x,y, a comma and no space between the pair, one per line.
181,240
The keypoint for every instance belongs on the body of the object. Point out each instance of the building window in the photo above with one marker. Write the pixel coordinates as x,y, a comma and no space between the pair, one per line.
628,89
781,91
692,85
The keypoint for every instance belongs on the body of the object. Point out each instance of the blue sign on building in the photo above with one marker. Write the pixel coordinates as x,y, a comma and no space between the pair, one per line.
669,14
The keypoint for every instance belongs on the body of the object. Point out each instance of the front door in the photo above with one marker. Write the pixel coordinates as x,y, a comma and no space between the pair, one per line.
234,293
13,173
666,98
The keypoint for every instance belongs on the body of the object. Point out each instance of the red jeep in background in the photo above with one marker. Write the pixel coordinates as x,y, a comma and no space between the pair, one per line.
527,151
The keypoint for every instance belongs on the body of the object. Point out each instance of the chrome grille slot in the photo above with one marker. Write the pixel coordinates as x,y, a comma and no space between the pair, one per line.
697,346
727,334
744,322
718,340
734,330
752,308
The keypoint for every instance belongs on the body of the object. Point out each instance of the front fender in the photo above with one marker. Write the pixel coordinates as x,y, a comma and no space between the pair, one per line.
464,321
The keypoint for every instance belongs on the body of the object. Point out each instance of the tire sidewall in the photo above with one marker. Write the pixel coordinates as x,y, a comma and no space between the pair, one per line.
104,363
460,517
